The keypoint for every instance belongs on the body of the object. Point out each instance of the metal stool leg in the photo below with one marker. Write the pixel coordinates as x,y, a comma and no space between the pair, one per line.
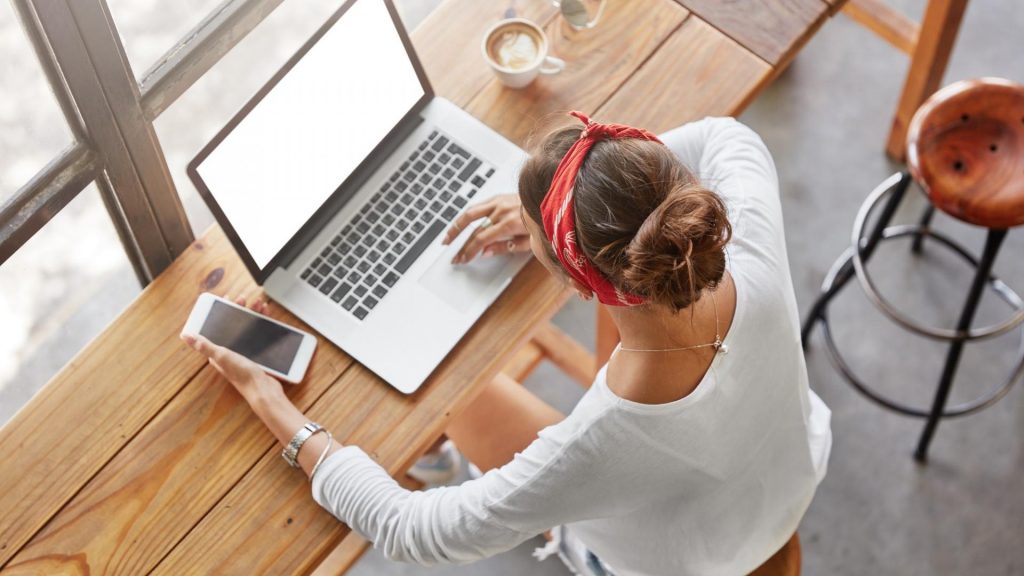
844,275
992,243
846,272
924,223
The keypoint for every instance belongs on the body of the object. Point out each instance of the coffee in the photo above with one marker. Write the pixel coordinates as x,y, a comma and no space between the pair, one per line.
517,51
515,46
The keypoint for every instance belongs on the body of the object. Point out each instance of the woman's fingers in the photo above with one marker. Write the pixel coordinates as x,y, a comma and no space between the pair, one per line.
216,365
508,246
474,212
204,347
481,237
231,364
259,306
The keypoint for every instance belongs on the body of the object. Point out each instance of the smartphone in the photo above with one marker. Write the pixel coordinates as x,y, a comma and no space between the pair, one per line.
279,349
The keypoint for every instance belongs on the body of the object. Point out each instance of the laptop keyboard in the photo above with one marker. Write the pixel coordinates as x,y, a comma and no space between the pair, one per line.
365,259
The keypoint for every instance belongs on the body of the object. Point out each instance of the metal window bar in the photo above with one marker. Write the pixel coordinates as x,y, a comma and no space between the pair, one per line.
110,115
193,56
44,195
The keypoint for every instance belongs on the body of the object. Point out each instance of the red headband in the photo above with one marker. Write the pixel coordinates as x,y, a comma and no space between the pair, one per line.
557,211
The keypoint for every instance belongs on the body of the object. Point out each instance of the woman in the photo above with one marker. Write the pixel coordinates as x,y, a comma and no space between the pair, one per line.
699,446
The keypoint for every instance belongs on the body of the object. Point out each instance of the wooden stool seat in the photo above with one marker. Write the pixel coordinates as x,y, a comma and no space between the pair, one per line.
966,148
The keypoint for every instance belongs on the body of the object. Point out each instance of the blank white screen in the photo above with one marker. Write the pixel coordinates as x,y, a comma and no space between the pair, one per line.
294,149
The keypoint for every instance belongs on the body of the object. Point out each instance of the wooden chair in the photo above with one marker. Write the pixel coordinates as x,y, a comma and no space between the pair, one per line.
785,562
929,46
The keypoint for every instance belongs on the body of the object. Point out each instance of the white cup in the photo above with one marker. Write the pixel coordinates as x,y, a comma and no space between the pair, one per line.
519,76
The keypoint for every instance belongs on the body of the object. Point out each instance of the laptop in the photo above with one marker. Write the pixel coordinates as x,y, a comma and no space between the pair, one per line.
335,184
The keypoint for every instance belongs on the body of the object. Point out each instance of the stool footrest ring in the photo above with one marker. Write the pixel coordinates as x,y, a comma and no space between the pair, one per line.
1004,292
873,294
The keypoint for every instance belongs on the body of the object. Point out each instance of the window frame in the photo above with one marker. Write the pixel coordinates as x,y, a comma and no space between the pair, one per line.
110,115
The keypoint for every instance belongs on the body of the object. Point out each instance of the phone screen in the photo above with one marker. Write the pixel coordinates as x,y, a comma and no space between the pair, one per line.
263,342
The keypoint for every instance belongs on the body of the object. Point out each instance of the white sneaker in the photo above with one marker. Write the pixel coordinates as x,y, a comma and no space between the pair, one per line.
437,468
573,553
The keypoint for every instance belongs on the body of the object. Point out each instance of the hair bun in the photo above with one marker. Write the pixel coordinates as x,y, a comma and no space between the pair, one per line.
678,251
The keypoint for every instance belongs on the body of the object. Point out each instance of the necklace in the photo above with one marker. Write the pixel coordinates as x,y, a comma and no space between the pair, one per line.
718,345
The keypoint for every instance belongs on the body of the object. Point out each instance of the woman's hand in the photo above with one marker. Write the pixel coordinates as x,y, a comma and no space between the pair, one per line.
264,394
245,375
506,232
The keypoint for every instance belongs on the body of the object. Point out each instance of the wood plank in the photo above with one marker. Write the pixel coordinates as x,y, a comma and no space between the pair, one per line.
271,509
448,43
939,29
835,5
773,30
698,72
109,391
344,556
524,362
206,429
597,62
887,22
570,357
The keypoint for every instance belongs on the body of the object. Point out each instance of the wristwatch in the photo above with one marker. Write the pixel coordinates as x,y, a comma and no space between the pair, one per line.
291,451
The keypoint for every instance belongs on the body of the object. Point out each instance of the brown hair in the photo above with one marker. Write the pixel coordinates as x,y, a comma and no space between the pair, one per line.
642,218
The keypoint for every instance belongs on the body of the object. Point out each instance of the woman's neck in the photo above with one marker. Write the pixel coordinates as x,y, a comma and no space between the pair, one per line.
665,376
647,328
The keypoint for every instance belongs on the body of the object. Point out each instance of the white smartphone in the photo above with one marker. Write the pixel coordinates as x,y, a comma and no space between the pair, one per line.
279,349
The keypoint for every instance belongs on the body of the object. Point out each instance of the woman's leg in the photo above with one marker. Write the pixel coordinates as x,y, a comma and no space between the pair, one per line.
503,420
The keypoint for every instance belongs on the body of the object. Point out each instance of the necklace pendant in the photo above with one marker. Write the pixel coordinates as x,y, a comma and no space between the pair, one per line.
720,347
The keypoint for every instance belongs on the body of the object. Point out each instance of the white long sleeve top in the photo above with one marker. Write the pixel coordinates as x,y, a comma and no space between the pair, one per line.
713,483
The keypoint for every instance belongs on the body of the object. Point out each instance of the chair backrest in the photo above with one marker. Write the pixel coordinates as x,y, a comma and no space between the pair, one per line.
785,562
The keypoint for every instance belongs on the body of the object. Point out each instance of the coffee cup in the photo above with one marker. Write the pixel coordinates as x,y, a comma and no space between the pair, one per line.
517,51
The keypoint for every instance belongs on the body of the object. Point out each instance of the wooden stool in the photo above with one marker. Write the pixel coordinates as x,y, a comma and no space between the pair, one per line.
965,148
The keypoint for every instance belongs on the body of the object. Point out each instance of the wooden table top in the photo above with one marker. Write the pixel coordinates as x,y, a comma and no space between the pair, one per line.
137,458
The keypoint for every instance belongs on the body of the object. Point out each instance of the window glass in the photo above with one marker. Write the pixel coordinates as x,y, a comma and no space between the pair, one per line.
59,291
32,127
149,29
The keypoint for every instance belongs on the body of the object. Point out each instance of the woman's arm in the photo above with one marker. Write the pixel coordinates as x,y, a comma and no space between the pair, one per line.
721,149
731,159
264,395
283,419
538,490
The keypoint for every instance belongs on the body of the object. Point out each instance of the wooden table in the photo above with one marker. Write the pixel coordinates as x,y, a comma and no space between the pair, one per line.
137,458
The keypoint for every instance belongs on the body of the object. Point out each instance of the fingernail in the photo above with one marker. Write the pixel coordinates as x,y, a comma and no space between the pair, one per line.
488,252
189,339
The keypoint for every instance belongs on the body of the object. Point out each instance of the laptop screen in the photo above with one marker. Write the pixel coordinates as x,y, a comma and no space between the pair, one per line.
286,157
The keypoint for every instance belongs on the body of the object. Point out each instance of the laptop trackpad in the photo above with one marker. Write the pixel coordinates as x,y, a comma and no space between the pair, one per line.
460,286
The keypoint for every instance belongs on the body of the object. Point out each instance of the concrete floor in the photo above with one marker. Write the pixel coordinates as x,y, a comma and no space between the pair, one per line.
825,121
